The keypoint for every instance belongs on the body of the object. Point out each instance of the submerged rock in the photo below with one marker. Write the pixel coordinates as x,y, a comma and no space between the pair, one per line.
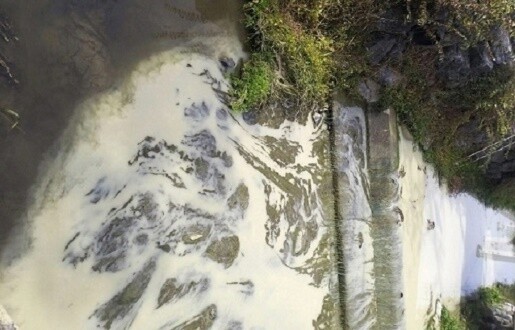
235,325
250,117
120,305
240,198
173,290
197,112
246,287
282,151
224,251
195,234
202,321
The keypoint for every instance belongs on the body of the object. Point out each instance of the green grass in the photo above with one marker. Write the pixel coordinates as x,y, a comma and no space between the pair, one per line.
507,291
254,86
490,295
448,321
301,61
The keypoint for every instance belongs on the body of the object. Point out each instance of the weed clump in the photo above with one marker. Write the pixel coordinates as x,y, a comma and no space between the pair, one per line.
254,86
476,308
301,61
449,321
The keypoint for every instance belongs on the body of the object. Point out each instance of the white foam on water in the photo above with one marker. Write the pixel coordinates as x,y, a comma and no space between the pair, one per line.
41,291
5,320
358,251
468,248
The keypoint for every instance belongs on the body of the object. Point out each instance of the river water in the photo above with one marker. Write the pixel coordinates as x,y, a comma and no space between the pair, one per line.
160,209
153,206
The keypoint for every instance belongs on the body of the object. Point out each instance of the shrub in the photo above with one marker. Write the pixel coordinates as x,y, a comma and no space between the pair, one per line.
507,290
254,86
490,295
300,59
449,321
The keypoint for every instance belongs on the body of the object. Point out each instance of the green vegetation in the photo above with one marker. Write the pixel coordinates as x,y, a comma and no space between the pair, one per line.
507,291
490,296
474,19
450,322
475,312
433,113
475,308
294,62
255,84
304,50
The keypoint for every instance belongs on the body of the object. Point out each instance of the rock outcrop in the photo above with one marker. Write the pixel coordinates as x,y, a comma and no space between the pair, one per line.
459,61
502,317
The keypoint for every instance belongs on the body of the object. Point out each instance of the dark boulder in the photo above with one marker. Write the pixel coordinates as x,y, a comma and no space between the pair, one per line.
501,164
481,60
454,67
470,136
420,36
494,172
501,46
386,46
250,117
389,39
388,77
501,316
369,90
227,64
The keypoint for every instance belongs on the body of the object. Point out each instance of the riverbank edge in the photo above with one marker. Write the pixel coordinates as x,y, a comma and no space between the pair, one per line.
296,46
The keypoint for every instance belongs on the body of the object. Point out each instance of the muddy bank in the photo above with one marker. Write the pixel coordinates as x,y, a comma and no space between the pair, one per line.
69,50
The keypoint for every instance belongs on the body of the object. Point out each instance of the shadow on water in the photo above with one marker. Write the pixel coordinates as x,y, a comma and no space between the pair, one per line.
69,50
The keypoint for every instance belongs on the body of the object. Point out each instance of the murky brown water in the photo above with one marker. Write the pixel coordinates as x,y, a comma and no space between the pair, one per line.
68,50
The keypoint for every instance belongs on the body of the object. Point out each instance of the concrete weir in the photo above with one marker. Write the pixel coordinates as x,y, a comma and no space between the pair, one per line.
383,163
366,162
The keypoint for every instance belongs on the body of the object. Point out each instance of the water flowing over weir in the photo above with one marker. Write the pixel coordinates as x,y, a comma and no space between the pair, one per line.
366,167
383,155
350,165
163,210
